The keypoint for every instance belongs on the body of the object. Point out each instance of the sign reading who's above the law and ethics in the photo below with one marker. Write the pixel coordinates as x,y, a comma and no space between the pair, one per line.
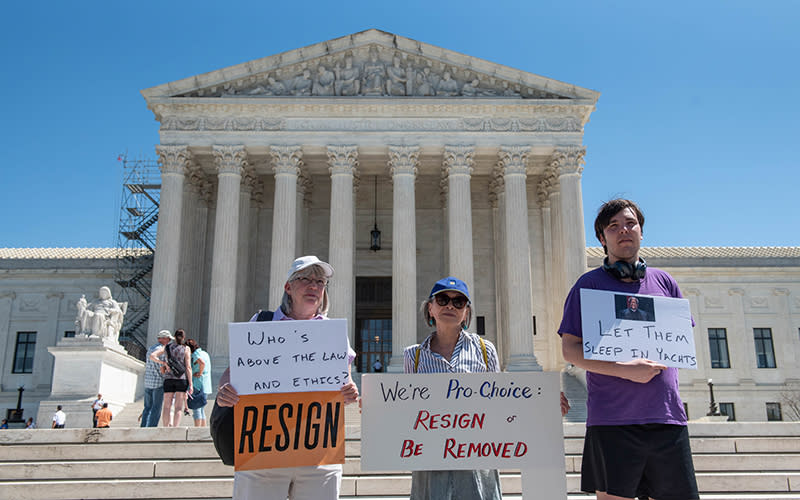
288,375
621,326
446,421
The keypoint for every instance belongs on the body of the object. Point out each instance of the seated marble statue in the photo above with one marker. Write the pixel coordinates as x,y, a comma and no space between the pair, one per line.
323,85
447,86
397,78
347,78
102,318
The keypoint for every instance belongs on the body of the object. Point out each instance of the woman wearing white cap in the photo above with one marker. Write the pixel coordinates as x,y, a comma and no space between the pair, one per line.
305,297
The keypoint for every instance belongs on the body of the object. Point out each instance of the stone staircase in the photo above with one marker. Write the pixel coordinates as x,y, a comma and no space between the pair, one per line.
734,461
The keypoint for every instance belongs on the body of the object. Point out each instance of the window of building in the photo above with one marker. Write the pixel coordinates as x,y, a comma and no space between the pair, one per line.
727,409
718,348
765,354
69,334
23,352
774,412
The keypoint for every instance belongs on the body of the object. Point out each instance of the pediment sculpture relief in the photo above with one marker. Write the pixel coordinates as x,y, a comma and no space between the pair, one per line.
373,71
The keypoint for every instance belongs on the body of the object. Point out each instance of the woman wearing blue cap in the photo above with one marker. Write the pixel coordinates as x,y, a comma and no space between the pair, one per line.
451,349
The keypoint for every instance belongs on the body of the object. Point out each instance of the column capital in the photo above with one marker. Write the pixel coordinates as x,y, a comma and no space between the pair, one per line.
458,160
736,291
550,180
342,159
497,184
8,295
230,159
513,160
693,292
781,291
403,160
543,193
249,178
305,186
174,159
568,160
286,159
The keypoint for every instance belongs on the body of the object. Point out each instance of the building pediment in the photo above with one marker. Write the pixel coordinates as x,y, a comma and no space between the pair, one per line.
371,63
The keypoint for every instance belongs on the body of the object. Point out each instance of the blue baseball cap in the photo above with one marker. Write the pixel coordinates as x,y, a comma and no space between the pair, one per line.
452,284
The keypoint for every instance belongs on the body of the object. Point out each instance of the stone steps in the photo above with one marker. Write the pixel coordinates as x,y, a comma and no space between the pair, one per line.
733,462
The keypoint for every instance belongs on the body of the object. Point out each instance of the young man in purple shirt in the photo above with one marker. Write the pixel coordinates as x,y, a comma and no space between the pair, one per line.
637,442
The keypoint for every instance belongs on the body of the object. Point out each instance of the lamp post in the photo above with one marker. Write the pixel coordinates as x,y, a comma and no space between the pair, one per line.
712,406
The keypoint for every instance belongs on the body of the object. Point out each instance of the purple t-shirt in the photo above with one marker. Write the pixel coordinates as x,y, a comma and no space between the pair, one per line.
614,400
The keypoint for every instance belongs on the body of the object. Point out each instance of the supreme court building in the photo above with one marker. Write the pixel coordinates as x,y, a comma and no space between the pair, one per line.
466,167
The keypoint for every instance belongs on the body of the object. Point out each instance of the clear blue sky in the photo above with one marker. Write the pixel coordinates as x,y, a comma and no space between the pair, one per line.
697,118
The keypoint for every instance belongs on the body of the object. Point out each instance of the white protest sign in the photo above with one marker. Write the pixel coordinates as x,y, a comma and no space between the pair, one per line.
288,356
622,327
444,421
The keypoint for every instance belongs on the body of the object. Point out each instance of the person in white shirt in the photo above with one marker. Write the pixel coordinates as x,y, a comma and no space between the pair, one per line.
59,418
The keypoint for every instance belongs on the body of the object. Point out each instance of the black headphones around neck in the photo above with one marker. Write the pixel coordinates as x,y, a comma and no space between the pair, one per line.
625,270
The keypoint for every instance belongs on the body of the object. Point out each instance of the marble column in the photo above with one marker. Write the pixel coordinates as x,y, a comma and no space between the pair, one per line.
244,306
741,350
785,331
553,303
514,160
230,162
539,303
174,162
6,300
497,198
568,162
458,161
287,161
193,252
403,165
342,164
42,363
304,188
558,273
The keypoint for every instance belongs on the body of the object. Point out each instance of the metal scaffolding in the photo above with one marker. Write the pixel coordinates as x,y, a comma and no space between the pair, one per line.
136,243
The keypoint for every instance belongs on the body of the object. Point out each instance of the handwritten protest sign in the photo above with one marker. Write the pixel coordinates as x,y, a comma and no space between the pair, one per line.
623,327
288,356
448,421
289,430
288,375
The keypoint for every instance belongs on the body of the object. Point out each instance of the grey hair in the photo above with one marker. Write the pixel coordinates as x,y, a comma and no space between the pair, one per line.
313,271
424,308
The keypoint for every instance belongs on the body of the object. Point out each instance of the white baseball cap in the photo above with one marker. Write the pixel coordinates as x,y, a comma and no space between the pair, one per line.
301,263
164,334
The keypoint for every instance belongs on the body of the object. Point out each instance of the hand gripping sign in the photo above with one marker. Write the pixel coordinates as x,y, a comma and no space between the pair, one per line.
288,375
447,421
622,327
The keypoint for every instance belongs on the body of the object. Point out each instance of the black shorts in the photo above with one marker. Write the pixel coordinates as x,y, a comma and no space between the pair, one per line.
639,461
175,385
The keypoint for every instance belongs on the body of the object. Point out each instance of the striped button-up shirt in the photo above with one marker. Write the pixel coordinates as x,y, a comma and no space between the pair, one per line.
467,357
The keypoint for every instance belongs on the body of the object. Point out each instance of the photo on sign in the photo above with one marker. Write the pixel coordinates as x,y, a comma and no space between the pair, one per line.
634,308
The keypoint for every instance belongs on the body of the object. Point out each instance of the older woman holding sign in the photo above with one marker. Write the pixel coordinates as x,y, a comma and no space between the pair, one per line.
305,297
452,349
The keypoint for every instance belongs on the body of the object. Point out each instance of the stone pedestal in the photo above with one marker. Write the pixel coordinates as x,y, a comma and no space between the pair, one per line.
85,367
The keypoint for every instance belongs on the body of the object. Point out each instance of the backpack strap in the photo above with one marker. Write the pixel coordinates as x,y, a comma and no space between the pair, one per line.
264,315
416,358
485,356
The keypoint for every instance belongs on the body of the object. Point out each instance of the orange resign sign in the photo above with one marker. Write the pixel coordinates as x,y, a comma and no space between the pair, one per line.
289,430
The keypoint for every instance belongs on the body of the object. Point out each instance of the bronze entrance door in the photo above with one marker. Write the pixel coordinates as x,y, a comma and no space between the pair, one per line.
373,329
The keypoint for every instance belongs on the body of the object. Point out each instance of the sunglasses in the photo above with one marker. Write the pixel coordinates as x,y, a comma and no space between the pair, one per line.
459,301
